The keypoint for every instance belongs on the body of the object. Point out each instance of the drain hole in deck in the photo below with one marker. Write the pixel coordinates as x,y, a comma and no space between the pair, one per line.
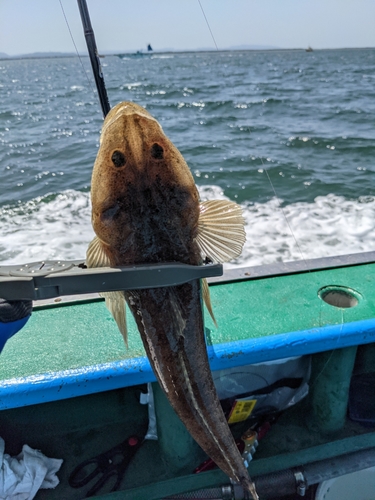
339,296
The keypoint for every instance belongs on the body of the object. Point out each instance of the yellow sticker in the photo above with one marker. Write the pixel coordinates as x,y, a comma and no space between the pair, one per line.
241,410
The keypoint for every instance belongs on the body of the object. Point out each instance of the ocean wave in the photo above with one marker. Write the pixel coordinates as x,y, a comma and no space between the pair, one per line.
51,227
58,226
330,225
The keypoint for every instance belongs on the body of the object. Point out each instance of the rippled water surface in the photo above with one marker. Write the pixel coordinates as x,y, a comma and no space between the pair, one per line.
288,134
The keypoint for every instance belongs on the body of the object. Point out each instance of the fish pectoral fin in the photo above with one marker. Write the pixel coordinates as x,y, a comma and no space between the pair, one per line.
95,255
115,302
221,234
207,299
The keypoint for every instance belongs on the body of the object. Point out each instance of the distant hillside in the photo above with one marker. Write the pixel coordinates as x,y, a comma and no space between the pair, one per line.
38,55
253,47
42,55
199,49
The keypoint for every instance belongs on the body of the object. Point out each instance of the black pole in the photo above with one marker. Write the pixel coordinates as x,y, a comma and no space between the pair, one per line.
94,57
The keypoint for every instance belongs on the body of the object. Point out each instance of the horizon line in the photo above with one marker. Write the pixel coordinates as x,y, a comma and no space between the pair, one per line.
42,55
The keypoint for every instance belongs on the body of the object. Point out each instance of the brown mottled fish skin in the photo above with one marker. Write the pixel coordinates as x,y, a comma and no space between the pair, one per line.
146,211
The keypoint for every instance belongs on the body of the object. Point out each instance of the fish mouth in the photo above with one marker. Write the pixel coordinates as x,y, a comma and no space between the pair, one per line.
170,321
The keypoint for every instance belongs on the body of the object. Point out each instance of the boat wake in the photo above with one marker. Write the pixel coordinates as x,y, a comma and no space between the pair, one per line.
58,226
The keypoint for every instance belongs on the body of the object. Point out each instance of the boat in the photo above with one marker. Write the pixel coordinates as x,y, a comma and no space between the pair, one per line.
86,396
309,49
75,397
138,53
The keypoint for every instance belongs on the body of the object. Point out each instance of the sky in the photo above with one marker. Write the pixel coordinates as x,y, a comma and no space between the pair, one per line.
28,26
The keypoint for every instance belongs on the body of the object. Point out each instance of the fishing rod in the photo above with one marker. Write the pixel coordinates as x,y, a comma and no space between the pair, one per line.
94,57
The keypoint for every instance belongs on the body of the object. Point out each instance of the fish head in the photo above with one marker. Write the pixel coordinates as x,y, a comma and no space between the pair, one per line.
141,184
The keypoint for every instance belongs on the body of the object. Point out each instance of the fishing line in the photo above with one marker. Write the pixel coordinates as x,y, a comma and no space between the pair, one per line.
294,238
304,260
284,215
208,24
75,46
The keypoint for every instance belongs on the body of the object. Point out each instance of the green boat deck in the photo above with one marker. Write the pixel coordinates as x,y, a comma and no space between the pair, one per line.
69,350
63,337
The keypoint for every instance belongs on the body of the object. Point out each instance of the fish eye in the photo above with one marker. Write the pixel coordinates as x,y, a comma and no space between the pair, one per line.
118,158
157,152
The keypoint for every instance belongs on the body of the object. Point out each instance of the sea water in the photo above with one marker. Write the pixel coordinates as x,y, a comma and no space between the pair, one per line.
289,135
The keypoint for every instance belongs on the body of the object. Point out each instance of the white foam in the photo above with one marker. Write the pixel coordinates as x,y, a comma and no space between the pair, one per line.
59,227
329,226
46,227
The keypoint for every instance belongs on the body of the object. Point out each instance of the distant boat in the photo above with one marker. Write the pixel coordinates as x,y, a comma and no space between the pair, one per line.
309,49
139,53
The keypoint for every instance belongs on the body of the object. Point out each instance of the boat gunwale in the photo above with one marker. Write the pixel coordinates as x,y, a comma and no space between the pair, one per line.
245,273
45,387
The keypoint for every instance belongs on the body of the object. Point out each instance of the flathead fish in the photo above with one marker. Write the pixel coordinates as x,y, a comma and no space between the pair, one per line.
146,209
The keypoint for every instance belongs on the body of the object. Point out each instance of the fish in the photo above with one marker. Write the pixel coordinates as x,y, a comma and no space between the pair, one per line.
146,210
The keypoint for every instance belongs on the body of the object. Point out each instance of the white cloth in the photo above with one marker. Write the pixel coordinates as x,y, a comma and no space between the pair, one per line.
22,476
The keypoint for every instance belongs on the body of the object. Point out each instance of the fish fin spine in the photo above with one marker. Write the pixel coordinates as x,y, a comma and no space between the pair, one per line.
207,299
221,234
115,301
96,255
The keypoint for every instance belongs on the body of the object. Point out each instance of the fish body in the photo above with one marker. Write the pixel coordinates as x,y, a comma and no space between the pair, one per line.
146,209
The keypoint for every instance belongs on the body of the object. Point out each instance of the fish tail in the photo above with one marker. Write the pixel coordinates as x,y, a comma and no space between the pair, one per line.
170,321
249,489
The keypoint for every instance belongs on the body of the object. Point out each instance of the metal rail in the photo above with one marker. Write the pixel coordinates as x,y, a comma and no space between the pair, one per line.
295,267
48,279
